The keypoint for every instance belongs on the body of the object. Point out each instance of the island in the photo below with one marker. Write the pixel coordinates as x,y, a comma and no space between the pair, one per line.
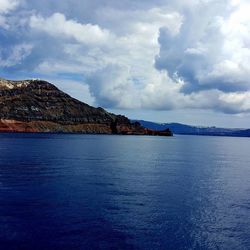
40,107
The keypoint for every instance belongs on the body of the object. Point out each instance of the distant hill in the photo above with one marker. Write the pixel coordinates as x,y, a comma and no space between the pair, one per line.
178,128
39,106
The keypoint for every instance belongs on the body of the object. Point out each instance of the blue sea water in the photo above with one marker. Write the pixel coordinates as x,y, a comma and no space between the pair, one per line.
124,192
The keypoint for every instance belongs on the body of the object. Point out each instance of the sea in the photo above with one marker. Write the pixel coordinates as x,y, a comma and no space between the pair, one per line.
73,191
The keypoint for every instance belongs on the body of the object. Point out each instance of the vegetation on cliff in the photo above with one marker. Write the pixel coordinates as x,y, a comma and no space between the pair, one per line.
39,106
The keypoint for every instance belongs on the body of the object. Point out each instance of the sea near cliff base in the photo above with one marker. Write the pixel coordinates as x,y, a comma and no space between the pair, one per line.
62,191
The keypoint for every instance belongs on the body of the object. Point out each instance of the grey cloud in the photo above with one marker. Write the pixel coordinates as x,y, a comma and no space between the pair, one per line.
197,54
85,10
155,55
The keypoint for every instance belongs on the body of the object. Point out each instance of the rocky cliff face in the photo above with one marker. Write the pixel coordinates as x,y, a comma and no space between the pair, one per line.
38,106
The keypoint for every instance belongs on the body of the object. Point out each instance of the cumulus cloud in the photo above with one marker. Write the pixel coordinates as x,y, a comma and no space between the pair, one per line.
6,6
119,68
57,25
136,54
15,56
214,55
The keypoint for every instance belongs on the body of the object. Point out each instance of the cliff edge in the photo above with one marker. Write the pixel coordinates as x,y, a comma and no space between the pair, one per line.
39,106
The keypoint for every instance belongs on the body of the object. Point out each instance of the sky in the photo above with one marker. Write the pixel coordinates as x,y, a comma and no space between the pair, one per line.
162,60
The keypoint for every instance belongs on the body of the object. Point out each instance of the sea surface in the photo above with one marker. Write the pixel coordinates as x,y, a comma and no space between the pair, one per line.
124,192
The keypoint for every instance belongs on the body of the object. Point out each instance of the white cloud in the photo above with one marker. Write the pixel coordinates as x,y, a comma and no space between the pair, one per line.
212,51
120,69
57,25
151,55
119,63
16,55
236,102
6,6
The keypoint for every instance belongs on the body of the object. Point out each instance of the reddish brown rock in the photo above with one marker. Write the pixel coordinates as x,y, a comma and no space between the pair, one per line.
38,106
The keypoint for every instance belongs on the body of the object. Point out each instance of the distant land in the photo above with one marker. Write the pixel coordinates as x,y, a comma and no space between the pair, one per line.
39,106
178,128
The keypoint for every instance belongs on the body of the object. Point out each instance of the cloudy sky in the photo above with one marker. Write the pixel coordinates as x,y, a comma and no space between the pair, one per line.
161,60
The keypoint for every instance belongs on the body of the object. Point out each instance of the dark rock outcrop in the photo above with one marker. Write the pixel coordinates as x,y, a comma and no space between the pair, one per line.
38,106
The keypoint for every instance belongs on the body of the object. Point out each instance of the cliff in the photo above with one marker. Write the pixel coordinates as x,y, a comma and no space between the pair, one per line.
39,106
184,129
